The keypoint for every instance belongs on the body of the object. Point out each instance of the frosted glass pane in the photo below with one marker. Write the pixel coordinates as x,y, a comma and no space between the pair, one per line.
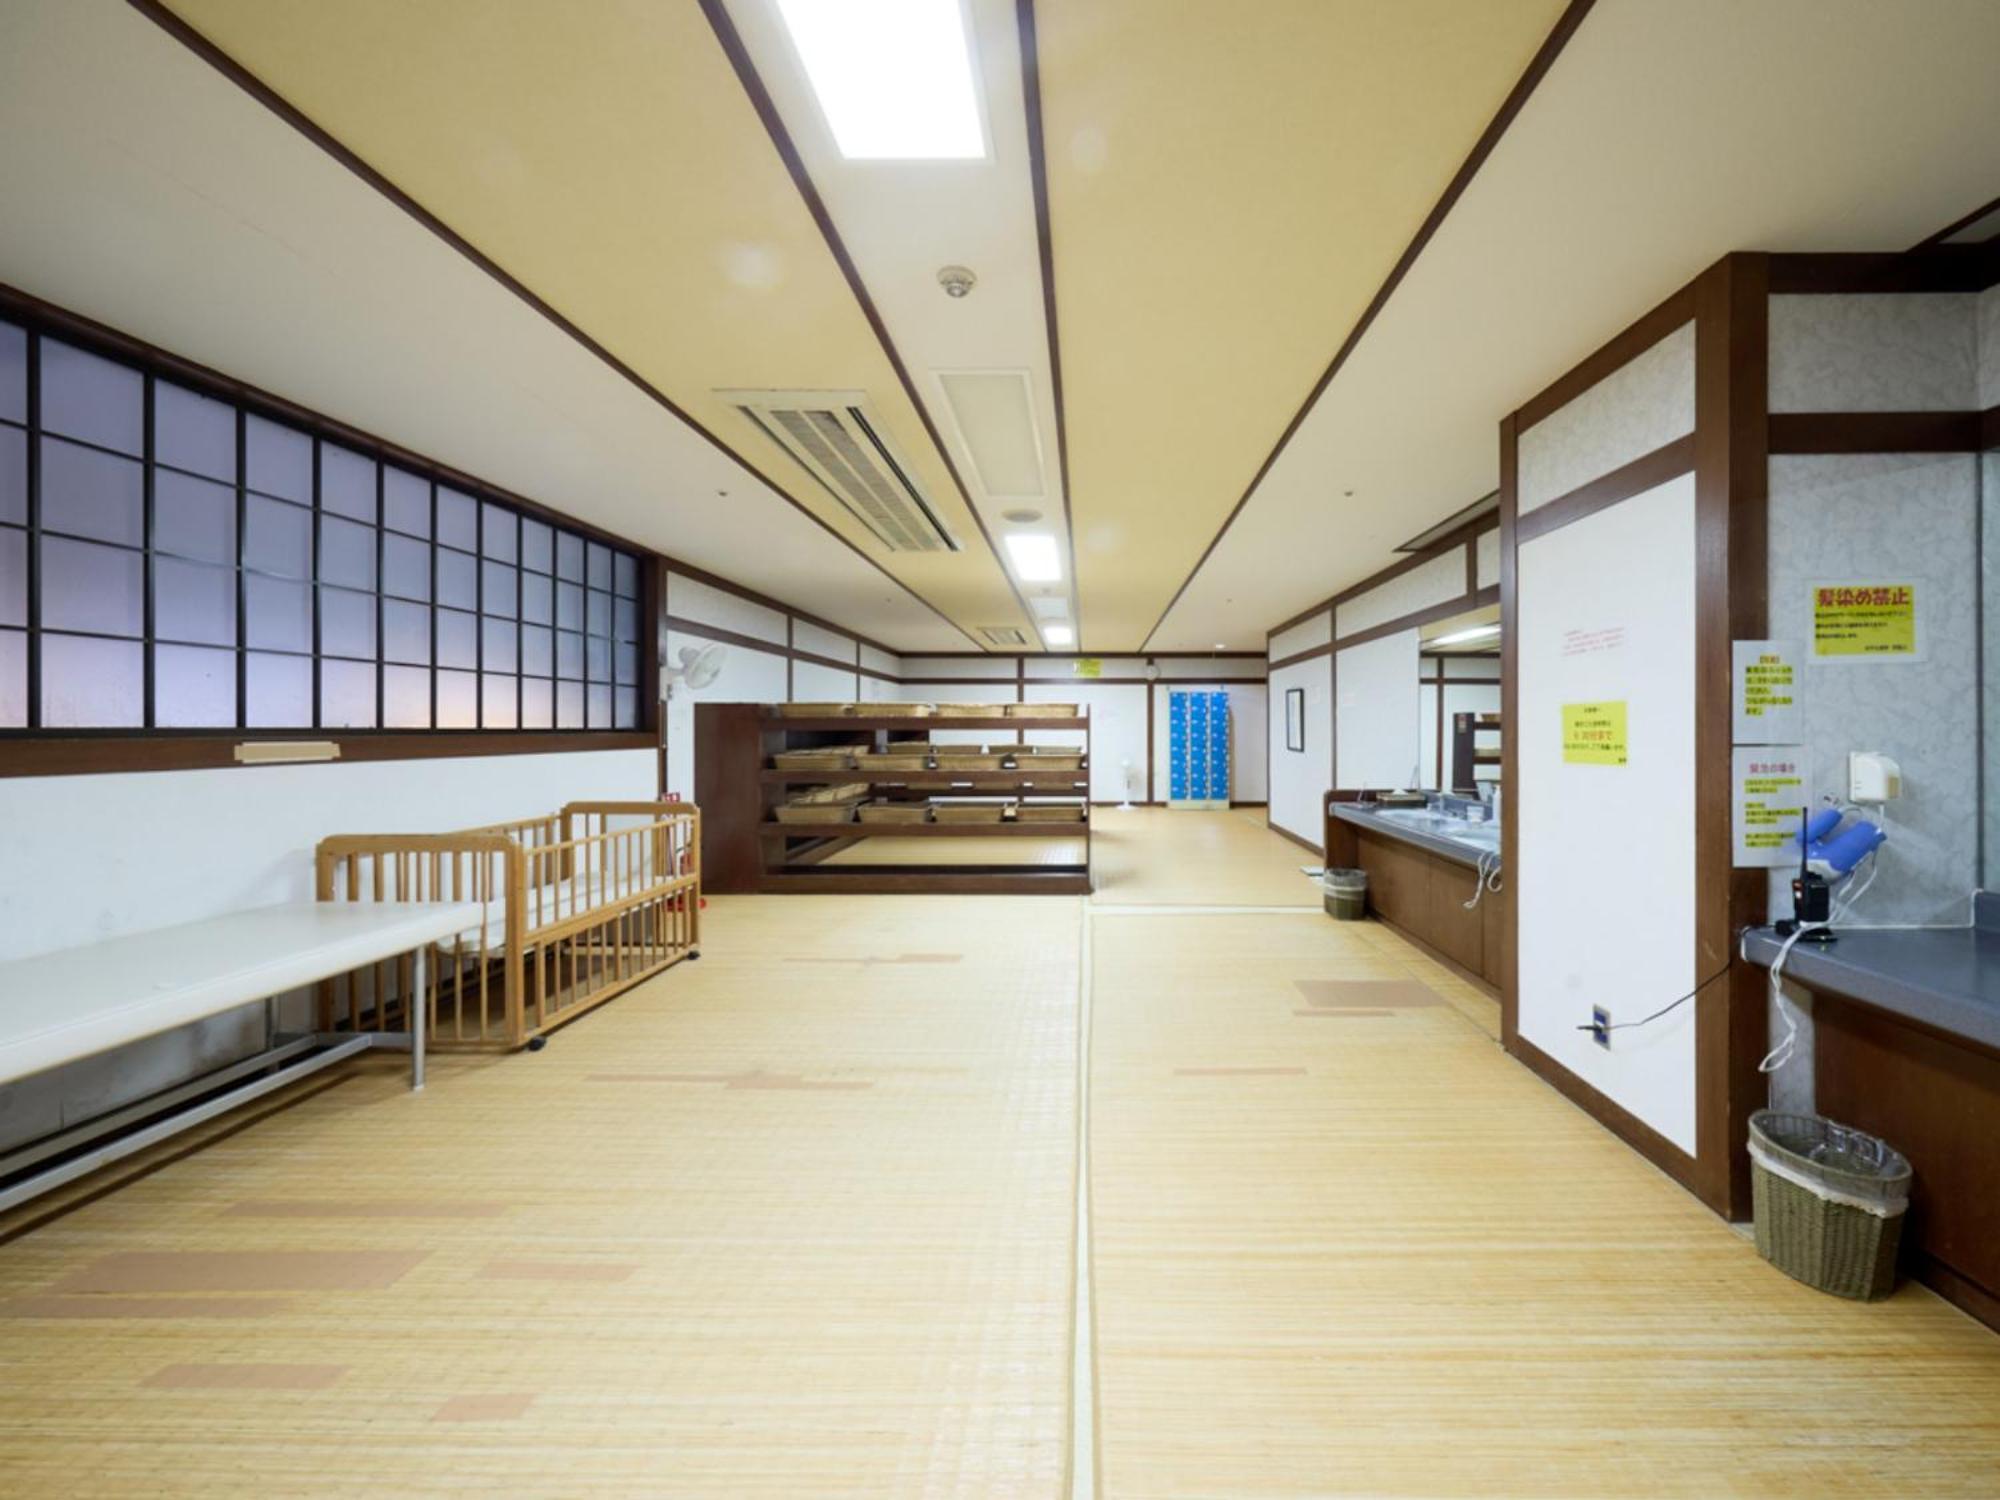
625,620
569,606
194,602
88,587
600,707
194,518
600,566
277,613
569,654
458,700
346,695
346,483
406,632
346,623
497,636
457,639
538,703
457,579
279,691
88,493
406,501
194,687
597,658
537,599
346,553
597,613
278,460
538,651
13,475
569,556
13,577
13,373
569,705
625,662
496,702
406,698
626,708
497,584
537,545
87,396
277,538
406,566
625,575
457,519
92,684
13,679
499,533
192,431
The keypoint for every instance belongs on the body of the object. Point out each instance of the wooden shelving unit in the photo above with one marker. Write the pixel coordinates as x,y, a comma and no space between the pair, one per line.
744,847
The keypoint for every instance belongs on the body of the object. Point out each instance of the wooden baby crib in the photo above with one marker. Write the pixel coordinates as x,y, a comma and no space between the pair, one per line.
577,907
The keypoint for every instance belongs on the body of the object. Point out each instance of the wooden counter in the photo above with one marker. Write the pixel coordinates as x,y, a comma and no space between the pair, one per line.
1422,894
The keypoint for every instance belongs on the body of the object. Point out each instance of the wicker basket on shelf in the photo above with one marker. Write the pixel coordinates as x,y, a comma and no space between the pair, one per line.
898,710
895,812
1049,812
973,710
820,758
970,760
816,710
1041,711
816,812
968,812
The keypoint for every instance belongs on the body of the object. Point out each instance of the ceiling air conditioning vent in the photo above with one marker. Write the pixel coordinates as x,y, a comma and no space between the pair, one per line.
842,444
1004,635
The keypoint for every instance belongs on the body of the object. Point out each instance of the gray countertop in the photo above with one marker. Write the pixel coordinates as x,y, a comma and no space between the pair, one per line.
1438,837
1945,978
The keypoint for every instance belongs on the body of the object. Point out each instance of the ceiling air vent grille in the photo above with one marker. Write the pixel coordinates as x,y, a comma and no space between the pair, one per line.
1004,635
842,445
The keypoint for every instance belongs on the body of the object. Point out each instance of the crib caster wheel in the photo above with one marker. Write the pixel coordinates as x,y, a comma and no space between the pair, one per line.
536,1043
694,953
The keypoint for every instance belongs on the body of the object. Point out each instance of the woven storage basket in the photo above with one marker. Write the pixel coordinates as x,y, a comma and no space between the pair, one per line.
969,760
973,710
815,710
1049,812
895,812
968,812
1041,710
892,761
1052,763
850,791
1829,1202
898,710
817,812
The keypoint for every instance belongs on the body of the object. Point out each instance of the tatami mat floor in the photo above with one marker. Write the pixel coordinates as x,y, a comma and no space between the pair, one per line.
799,1220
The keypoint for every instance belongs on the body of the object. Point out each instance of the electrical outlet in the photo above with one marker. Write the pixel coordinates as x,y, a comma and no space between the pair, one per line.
1600,1026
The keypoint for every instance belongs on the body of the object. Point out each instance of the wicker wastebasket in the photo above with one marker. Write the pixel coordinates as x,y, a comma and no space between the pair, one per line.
1346,893
1828,1201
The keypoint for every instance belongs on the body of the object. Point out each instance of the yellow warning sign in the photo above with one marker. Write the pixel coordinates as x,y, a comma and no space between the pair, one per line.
1594,734
1087,666
1865,619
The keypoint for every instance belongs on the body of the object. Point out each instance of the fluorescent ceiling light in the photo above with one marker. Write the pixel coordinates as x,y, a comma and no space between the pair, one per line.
1036,559
1058,635
1477,632
893,77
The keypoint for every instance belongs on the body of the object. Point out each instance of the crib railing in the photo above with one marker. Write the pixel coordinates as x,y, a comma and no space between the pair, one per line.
575,908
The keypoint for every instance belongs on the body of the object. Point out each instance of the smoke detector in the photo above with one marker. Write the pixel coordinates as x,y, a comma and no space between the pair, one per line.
956,281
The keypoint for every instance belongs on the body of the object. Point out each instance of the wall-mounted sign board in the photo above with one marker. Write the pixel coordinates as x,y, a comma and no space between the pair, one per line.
1766,682
1768,787
1593,734
1866,620
1087,666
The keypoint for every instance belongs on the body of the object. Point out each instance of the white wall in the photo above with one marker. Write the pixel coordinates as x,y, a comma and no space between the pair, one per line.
1604,880
1643,405
1377,720
1117,728
748,676
1300,780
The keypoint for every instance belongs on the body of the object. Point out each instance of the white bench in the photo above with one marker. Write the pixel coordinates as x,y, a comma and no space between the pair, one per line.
66,1006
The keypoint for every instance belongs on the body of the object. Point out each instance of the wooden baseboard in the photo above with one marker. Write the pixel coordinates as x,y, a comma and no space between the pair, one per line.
1286,833
1615,1118
1477,981
1968,1296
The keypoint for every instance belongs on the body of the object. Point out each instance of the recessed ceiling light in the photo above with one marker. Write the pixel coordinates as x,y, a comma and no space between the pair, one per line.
1477,632
1036,559
1058,635
1220,646
893,77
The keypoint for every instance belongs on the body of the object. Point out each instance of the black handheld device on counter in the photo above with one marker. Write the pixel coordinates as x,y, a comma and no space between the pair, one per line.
1812,897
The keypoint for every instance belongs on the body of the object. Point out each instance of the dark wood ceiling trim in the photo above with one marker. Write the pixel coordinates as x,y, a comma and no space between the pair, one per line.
1957,224
157,12
1876,432
1936,268
1537,69
739,57
1038,180
1648,471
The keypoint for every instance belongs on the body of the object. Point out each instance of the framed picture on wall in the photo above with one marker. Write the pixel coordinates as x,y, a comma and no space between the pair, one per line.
1295,718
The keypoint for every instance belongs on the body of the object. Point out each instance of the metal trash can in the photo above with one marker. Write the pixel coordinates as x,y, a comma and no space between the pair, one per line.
1346,893
1828,1201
